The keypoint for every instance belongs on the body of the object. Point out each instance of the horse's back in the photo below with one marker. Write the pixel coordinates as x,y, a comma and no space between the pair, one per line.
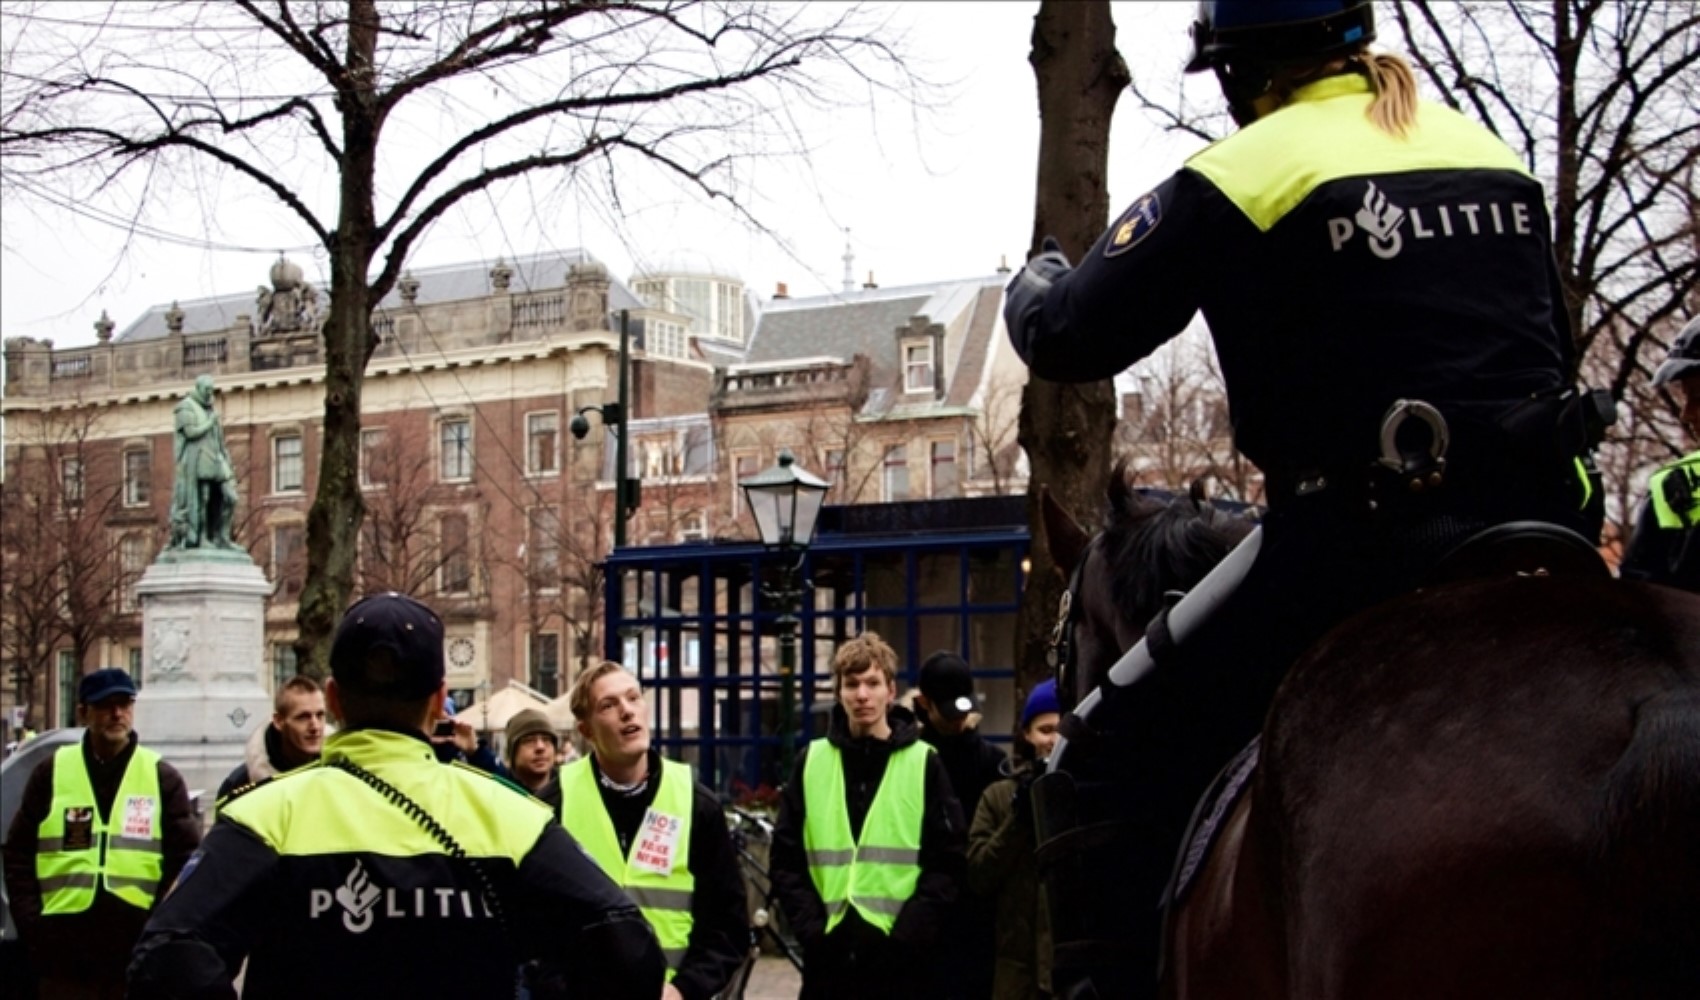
1493,789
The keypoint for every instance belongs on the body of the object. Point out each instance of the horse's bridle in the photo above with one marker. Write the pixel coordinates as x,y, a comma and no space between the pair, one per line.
1061,652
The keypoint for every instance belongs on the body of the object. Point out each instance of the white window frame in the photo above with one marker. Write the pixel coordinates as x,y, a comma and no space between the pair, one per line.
443,453
531,467
371,439
933,465
279,559
278,486
531,643
553,585
739,503
130,569
72,470
693,526
886,468
145,482
443,557
913,367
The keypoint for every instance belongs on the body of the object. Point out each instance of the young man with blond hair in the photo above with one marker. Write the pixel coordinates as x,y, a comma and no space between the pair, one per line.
868,852
657,832
294,737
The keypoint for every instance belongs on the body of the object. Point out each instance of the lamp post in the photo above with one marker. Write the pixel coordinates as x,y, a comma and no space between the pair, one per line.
615,416
785,501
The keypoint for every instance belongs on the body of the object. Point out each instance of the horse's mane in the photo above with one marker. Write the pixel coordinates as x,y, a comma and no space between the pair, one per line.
1158,542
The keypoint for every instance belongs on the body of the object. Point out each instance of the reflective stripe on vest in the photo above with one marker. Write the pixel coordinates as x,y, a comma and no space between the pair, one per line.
877,874
1686,484
665,900
129,860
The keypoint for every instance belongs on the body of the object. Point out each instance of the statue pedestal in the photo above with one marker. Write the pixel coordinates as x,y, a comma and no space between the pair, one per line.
203,641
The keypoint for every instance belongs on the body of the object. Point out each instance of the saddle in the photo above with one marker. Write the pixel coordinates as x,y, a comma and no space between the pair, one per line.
1525,548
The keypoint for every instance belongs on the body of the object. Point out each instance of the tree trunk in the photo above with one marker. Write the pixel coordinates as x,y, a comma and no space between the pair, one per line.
1066,429
333,523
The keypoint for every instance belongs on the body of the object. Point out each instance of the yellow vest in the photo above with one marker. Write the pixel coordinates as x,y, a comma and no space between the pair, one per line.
664,899
878,873
77,849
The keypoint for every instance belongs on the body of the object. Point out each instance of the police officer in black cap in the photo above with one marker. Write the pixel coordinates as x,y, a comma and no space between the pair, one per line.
380,871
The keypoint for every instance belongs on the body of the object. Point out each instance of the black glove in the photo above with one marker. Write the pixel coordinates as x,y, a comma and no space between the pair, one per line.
1024,299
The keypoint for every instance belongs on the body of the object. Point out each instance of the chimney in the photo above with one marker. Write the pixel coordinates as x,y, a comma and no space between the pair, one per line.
782,292
870,281
1003,263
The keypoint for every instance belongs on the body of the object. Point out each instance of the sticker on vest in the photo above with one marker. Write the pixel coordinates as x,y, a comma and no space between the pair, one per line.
138,816
1135,224
658,843
79,828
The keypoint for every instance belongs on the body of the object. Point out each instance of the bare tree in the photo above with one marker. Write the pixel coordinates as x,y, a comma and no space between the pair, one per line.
1066,429
1175,429
61,579
993,432
111,108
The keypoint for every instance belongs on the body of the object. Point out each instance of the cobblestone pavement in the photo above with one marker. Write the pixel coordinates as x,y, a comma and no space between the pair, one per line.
773,979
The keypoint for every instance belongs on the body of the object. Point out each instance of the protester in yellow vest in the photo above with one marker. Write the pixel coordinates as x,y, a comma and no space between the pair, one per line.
380,871
868,852
103,829
658,833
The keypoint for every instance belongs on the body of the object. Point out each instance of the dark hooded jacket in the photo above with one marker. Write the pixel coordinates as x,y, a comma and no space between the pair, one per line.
856,959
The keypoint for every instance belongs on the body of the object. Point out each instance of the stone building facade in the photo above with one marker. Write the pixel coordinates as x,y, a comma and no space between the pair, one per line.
478,497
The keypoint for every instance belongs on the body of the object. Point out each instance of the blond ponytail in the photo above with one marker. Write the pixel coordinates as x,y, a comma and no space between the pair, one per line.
1394,108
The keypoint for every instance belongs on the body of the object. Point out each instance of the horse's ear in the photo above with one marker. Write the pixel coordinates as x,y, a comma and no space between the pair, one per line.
1197,494
1066,538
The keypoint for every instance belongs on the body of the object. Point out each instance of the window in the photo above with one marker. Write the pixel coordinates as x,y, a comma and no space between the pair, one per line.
546,662
743,467
731,321
71,481
286,463
138,476
694,297
69,675
944,470
454,559
918,367
132,560
457,449
664,339
133,656
283,664
835,471
374,457
544,548
693,527
289,559
896,473
542,442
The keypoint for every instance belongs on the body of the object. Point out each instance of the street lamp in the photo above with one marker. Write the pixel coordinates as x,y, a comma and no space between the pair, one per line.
785,502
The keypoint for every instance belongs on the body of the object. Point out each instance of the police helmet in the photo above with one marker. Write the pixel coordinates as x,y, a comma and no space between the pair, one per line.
1277,32
1684,360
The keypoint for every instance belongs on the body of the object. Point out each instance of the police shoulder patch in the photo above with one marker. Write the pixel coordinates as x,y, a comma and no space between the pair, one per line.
1135,224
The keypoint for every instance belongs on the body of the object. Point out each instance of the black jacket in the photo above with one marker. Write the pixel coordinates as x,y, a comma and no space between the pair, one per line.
100,936
856,960
972,763
364,898
1340,269
720,926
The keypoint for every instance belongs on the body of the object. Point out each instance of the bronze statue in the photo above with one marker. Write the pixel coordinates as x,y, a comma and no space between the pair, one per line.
203,496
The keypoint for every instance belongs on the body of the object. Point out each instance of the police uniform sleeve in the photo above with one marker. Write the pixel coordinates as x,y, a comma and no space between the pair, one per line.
582,928
1134,290
720,927
788,863
1647,557
195,941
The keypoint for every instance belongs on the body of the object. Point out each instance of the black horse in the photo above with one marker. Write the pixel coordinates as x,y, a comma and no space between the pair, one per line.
1486,788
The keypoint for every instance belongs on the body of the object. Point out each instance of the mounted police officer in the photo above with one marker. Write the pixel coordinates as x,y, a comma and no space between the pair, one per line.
1665,547
1378,277
379,871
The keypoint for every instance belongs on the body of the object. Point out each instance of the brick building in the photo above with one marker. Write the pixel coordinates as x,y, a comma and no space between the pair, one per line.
477,498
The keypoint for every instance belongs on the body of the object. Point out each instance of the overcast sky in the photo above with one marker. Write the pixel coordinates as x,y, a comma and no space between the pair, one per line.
941,198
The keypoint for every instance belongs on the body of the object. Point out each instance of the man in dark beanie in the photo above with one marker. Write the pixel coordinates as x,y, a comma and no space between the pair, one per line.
533,752
357,873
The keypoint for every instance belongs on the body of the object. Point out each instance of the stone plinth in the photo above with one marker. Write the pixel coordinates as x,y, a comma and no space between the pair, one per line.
203,642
